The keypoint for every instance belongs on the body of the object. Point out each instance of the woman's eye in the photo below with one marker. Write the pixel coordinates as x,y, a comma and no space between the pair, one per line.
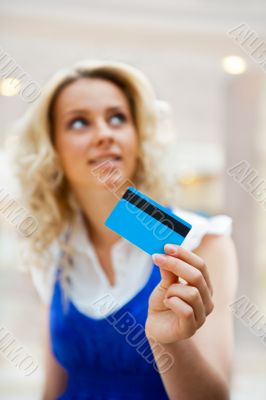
117,119
78,123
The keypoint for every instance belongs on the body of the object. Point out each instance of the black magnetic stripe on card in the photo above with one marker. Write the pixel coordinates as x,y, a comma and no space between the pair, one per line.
156,213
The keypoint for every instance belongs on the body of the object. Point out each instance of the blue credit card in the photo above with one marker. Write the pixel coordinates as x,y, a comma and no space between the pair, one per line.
146,223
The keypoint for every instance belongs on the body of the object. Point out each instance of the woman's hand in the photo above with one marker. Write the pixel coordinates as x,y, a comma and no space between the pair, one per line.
178,307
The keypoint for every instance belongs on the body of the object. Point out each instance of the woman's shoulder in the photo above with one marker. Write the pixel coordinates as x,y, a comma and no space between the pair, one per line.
43,277
203,224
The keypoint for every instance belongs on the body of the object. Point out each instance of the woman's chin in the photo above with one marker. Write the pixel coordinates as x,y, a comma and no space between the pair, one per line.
113,183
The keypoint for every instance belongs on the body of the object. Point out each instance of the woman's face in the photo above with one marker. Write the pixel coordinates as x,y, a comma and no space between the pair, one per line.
93,126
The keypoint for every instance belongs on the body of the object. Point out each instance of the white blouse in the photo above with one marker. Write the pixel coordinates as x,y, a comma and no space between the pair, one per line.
132,266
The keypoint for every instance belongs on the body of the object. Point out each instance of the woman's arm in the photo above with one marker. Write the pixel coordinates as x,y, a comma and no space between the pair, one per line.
203,360
55,374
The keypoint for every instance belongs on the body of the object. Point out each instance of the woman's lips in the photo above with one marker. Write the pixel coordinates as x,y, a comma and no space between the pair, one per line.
106,161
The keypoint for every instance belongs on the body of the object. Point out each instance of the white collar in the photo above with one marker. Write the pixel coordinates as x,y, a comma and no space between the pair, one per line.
80,237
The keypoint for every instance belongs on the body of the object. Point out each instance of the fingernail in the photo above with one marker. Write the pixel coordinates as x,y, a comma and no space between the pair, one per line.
160,258
170,248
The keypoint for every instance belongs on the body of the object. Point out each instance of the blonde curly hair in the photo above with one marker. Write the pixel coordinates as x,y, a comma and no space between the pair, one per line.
44,188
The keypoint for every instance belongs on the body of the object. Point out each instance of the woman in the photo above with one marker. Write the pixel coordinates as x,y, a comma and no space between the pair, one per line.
128,328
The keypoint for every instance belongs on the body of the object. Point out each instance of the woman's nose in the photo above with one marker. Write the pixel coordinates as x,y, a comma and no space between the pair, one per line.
103,131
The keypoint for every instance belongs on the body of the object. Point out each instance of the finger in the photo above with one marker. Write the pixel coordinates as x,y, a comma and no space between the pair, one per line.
189,273
185,314
190,258
192,297
167,279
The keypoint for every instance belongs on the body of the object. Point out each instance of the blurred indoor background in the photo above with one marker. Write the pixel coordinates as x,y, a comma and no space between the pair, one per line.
217,90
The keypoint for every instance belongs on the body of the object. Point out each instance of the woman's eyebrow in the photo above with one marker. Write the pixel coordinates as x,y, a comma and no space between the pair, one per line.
115,108
76,111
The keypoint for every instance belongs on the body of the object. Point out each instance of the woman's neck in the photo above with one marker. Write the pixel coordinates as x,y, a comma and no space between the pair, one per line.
96,205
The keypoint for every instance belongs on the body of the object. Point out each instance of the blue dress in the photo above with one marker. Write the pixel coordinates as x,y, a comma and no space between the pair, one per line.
108,358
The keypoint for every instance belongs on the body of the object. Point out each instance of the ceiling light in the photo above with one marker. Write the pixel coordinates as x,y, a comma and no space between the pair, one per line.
234,65
9,86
